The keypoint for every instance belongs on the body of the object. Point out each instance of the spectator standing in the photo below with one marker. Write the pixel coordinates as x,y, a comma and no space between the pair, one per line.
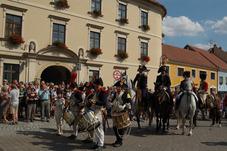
44,97
14,102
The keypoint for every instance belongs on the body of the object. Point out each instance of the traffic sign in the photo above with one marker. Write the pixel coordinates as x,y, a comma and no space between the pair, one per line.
116,74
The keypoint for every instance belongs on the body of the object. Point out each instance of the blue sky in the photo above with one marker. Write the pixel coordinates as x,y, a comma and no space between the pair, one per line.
197,22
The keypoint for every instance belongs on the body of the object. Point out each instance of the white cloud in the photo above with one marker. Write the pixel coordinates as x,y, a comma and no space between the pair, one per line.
220,26
181,26
202,46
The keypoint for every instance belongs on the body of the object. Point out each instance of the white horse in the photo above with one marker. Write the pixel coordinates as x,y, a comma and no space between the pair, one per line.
186,108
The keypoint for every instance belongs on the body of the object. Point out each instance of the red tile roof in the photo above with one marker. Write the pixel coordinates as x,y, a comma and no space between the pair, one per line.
220,64
186,57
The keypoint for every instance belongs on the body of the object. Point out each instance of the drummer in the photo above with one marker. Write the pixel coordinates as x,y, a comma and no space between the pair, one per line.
75,104
100,104
120,105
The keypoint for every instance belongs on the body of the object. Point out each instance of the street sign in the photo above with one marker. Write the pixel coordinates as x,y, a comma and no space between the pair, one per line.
116,74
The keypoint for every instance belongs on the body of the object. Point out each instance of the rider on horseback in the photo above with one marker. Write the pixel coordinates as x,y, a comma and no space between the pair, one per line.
163,81
185,86
141,80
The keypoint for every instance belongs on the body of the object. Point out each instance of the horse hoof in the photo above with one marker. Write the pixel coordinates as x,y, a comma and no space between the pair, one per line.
177,128
189,134
182,133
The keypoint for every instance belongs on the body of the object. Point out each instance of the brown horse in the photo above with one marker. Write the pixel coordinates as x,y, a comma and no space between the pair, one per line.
163,109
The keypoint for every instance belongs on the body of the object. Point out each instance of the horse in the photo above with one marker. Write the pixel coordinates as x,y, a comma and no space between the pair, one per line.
163,108
187,108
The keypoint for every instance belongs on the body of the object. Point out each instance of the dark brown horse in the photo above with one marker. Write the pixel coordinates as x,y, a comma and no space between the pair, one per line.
163,109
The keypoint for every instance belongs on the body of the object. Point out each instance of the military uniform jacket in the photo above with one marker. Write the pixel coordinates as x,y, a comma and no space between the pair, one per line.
163,81
141,80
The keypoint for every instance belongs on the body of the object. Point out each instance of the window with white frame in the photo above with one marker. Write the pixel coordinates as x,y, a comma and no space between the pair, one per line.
94,39
13,25
180,71
121,45
221,80
122,11
193,73
143,49
93,74
144,18
212,76
96,5
11,72
58,34
225,80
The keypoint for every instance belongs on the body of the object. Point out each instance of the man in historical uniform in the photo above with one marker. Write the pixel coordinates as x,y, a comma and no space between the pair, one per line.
120,106
99,106
202,94
75,103
163,82
185,86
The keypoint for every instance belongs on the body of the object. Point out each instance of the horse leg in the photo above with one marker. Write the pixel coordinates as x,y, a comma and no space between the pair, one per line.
157,123
150,116
163,124
191,125
183,125
138,119
168,123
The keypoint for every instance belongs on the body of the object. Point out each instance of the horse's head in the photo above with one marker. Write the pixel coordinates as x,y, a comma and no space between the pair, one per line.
162,96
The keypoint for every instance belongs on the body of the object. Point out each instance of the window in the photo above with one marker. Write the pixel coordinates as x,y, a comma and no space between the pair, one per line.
13,25
122,11
193,73
202,73
221,80
144,49
121,44
96,5
11,72
94,39
212,76
58,33
93,74
144,18
180,71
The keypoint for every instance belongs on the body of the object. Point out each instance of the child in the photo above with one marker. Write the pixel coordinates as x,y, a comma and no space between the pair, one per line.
60,102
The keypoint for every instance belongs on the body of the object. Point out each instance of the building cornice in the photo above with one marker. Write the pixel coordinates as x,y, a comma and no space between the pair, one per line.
13,8
191,65
147,34
59,18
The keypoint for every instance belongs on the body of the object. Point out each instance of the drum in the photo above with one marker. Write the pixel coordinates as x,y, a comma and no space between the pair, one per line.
69,117
88,122
121,120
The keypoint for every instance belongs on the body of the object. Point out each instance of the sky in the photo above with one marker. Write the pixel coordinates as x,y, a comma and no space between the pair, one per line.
201,23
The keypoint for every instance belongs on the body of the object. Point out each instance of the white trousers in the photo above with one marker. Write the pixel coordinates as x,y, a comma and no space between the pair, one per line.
99,132
59,121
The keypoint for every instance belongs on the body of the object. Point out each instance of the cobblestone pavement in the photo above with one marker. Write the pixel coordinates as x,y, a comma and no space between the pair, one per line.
41,136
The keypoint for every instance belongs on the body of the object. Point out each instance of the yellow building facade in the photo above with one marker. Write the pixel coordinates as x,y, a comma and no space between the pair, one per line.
180,60
112,26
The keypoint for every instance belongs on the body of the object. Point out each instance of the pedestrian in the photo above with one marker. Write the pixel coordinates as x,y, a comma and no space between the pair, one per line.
59,109
14,102
31,99
44,97
4,103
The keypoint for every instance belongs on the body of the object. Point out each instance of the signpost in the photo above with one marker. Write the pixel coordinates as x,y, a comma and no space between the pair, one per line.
116,75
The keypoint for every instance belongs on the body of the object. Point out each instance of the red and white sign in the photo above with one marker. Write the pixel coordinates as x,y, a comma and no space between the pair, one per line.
116,74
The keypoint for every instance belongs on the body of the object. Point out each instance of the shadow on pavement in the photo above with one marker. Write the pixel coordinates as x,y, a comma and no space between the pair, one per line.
48,140
215,143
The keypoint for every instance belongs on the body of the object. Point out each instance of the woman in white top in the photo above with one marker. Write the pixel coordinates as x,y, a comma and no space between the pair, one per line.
14,102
